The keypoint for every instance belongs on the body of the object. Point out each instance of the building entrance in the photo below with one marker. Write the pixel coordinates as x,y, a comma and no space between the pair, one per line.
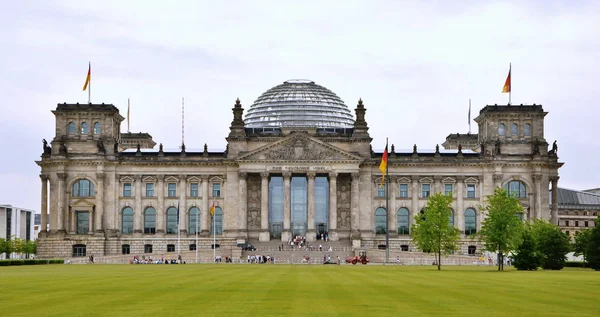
276,229
321,229
298,229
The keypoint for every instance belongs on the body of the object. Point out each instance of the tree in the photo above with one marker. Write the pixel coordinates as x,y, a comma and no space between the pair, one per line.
593,247
502,228
580,245
4,246
432,231
15,245
552,244
527,256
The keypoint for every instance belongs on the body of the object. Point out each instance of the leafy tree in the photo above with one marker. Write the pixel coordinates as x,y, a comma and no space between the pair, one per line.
593,247
432,231
502,228
28,247
4,246
527,256
580,245
553,245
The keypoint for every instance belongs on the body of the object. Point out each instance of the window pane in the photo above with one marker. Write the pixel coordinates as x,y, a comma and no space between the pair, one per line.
127,190
514,129
97,128
85,128
381,190
194,190
71,128
217,221
172,220
404,190
83,222
194,221
380,215
172,190
149,190
501,129
448,189
127,221
527,129
425,190
216,190
470,221
150,220
471,191
403,221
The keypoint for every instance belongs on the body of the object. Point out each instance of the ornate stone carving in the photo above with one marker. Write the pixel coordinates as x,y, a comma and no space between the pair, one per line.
497,178
47,148
415,178
356,177
333,174
460,178
44,177
204,178
62,176
344,203
301,149
253,201
138,178
287,175
264,174
100,176
242,175
536,177
311,175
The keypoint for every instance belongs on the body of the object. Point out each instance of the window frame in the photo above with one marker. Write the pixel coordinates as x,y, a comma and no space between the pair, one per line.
502,129
127,193
151,191
125,249
194,193
147,228
527,129
123,215
197,221
148,248
423,191
402,229
97,128
514,129
401,195
71,128
216,190
171,192
521,190
79,247
85,128
474,191
78,191
381,190
379,222
451,192
470,230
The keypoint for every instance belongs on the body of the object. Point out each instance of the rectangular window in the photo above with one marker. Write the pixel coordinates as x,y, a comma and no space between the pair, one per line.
172,189
216,190
404,190
147,248
83,222
8,223
567,223
448,189
425,190
381,190
192,247
28,226
170,248
79,250
470,190
149,189
127,190
576,223
194,190
125,249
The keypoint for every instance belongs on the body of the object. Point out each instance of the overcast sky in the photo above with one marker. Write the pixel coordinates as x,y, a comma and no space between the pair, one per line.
414,63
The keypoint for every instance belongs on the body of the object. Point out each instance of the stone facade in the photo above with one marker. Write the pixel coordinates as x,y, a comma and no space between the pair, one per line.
103,198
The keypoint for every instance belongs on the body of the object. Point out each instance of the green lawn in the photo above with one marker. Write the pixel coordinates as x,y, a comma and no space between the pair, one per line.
294,290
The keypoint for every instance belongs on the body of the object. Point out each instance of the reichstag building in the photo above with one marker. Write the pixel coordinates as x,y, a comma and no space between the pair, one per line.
298,163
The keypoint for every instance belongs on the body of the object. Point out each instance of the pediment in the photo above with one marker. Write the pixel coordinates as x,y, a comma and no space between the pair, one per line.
471,180
403,180
448,180
171,179
299,147
82,203
194,179
127,179
426,180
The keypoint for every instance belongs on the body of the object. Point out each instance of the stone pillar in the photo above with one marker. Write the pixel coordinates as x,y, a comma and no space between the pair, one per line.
437,185
554,181
287,211
460,203
204,219
93,214
183,212
160,212
99,211
44,211
310,235
414,209
393,212
354,209
138,223
242,202
537,182
333,207
264,234
62,196
71,224
497,181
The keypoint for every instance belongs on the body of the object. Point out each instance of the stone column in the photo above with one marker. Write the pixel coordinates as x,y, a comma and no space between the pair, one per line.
138,223
414,210
554,181
437,185
72,223
204,219
287,211
460,203
242,202
44,206
393,212
497,181
160,212
183,212
310,235
332,232
264,234
354,209
99,211
537,182
62,209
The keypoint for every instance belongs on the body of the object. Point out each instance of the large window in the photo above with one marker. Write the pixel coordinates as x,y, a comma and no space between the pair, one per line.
83,188
517,189
149,189
78,250
321,202
470,190
275,206
217,221
194,220
194,190
150,220
83,222
381,190
172,220
470,221
125,249
28,226
380,215
71,128
501,129
97,128
170,248
403,190
172,189
448,188
127,221
126,189
147,248
216,190
514,129
403,221
527,129
85,128
299,205
425,190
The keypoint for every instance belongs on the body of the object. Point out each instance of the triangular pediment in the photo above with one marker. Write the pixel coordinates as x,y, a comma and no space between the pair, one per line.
299,147
82,203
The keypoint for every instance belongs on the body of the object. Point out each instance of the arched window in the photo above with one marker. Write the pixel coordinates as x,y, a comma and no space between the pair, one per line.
97,128
451,218
194,220
514,129
517,189
85,129
83,188
501,129
527,129
150,220
217,221
172,220
403,222
380,215
71,128
127,221
470,221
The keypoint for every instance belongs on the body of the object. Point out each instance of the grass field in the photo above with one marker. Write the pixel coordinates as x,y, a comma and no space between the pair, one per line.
294,290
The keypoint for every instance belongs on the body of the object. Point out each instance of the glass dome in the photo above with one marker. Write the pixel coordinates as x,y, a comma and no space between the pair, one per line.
299,103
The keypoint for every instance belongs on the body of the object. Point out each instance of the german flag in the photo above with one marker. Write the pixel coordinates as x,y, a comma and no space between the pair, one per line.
88,78
212,209
506,87
383,165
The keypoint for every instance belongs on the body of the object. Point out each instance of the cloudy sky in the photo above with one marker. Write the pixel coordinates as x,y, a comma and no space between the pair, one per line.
414,63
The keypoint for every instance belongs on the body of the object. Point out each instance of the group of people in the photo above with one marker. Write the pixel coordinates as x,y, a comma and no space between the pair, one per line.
260,259
143,260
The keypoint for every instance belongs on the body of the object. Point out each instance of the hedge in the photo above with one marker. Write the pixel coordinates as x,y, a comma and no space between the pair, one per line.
575,264
30,262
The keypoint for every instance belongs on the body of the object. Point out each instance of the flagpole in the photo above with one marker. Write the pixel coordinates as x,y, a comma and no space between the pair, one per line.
214,236
178,233
387,218
510,90
469,115
197,216
128,109
90,85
